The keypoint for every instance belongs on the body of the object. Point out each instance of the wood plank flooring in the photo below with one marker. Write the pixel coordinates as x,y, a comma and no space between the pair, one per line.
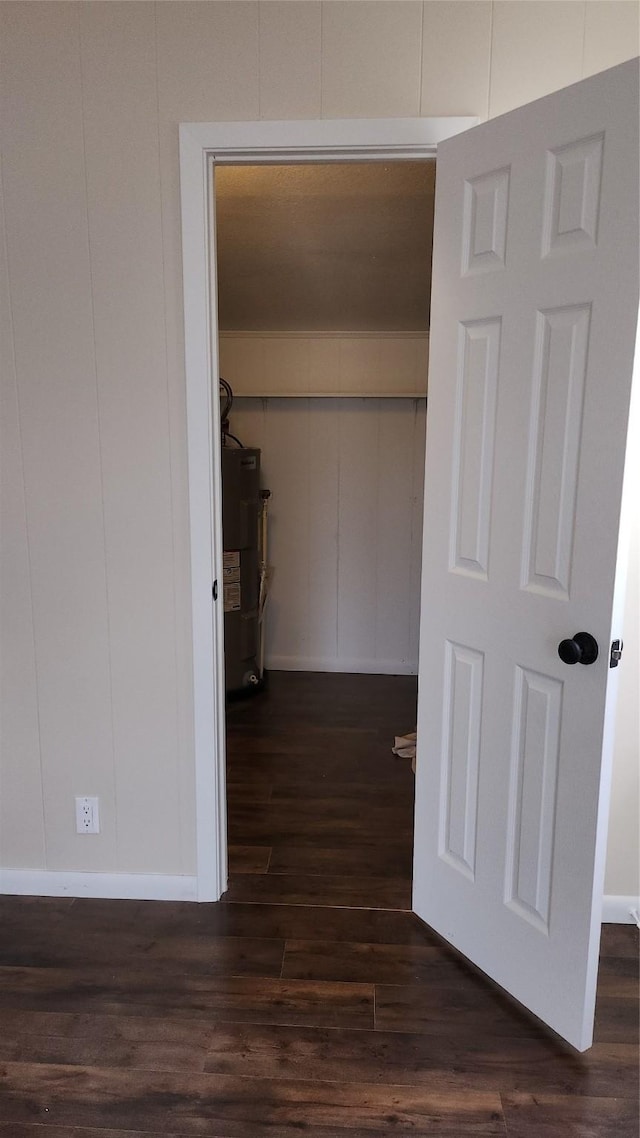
320,811
249,1018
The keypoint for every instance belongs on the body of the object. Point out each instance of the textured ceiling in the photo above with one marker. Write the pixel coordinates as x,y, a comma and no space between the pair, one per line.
336,247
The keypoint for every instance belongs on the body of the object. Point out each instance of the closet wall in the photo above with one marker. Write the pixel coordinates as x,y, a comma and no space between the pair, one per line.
345,533
324,277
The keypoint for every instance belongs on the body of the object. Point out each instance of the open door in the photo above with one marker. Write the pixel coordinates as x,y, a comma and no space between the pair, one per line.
534,314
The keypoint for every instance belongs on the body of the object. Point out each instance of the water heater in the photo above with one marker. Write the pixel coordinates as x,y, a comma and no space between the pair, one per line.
241,503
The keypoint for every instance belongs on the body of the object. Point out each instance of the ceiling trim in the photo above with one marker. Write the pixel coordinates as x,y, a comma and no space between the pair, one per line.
356,140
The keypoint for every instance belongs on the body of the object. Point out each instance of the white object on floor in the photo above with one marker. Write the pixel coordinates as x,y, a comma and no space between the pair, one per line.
405,747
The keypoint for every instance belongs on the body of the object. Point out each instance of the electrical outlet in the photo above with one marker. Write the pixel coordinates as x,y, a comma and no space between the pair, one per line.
87,816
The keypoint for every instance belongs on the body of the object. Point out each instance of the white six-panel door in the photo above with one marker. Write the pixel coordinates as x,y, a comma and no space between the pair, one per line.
534,312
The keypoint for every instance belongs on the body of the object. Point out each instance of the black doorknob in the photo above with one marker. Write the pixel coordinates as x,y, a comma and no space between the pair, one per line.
581,649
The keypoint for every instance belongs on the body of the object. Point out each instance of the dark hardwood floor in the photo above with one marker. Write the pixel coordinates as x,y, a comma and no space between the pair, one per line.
124,1019
320,810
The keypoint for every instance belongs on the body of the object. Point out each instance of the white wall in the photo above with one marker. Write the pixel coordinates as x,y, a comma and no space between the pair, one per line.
96,635
325,363
345,533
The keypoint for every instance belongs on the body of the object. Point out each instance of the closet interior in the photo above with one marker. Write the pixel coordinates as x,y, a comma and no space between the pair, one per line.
323,291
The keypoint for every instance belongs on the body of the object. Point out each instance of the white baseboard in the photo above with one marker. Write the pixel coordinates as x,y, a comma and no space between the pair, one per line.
122,886
342,664
620,910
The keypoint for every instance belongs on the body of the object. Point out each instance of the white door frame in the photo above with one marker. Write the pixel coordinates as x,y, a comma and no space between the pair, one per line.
202,147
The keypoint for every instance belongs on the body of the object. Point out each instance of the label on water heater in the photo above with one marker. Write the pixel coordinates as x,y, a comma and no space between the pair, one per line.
232,597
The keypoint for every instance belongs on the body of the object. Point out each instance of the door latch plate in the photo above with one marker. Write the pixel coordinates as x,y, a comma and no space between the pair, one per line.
616,653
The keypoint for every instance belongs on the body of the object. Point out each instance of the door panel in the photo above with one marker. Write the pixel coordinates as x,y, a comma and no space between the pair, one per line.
533,782
461,756
478,355
557,398
534,315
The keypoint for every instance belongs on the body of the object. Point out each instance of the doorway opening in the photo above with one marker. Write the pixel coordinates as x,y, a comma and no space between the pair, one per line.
323,289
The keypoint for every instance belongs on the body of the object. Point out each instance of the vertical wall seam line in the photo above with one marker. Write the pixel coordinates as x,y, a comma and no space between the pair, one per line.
412,533
26,517
321,59
584,36
172,507
309,526
378,411
338,513
421,61
490,61
259,60
79,11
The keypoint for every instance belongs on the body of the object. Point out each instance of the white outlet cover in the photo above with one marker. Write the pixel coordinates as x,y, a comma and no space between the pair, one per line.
87,815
